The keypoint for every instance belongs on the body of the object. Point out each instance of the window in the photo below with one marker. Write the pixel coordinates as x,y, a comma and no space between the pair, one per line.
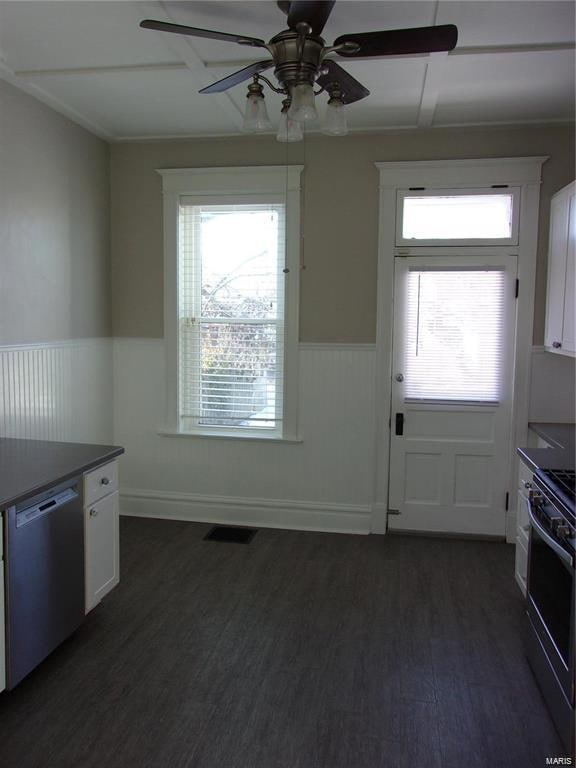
454,347
446,217
231,300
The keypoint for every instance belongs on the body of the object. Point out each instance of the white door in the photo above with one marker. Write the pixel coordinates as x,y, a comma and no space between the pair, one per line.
452,384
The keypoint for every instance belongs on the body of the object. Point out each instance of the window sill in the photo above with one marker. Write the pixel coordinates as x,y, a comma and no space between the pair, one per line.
244,438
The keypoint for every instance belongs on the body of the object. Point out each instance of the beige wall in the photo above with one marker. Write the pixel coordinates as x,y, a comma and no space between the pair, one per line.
54,225
340,223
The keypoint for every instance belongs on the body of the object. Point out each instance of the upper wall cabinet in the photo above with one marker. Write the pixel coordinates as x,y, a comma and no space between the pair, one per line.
560,317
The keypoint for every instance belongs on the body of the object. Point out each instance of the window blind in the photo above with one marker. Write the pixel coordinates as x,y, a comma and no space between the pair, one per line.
231,314
454,335
457,217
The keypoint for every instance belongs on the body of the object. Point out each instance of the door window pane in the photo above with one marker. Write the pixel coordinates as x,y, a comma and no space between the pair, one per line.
454,344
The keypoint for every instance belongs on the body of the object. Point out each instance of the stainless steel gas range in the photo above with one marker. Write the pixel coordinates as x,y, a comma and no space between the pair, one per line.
551,595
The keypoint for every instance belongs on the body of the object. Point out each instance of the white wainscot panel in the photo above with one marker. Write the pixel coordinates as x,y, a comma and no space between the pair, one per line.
57,391
323,483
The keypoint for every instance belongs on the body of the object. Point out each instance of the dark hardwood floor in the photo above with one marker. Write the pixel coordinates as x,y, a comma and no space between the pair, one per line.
298,650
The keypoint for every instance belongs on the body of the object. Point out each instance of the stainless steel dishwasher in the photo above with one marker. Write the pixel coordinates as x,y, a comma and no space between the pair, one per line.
44,575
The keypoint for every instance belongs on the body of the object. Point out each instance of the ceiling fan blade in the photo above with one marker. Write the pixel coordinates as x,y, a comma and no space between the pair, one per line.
164,26
238,77
396,42
315,13
351,89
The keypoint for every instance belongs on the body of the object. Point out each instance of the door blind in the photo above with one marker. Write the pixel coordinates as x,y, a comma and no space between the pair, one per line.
454,335
231,314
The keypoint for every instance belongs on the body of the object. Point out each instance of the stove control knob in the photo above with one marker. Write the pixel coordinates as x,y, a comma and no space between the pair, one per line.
563,531
556,523
536,498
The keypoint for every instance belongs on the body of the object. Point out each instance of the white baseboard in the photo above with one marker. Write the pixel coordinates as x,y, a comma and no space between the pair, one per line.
267,513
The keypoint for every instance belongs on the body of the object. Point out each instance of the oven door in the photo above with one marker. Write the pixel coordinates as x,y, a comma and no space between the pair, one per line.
550,586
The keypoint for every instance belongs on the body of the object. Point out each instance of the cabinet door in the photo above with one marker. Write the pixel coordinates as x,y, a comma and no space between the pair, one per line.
568,329
102,548
2,647
521,565
559,209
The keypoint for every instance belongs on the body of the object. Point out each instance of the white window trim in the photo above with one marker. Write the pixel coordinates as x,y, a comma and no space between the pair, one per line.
274,180
454,192
523,172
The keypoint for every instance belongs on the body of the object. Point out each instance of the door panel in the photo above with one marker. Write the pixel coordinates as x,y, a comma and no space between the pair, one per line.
449,467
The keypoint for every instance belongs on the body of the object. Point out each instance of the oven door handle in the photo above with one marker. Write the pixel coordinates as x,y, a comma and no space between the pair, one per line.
562,554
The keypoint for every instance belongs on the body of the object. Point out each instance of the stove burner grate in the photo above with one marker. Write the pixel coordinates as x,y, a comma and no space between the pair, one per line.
563,479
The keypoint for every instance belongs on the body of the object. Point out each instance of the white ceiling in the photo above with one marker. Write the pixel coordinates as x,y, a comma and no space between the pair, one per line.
514,63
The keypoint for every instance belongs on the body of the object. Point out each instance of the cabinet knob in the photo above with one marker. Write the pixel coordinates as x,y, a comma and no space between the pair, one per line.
93,512
105,481
556,344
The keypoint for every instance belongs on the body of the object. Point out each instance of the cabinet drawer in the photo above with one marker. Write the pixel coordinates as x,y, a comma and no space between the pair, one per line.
100,482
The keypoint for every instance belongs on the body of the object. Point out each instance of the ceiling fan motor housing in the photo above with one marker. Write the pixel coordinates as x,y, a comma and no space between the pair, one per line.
297,60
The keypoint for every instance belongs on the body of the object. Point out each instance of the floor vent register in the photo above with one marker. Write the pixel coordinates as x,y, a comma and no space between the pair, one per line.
231,534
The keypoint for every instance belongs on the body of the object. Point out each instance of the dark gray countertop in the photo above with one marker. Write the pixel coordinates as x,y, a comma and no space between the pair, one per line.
560,456
28,467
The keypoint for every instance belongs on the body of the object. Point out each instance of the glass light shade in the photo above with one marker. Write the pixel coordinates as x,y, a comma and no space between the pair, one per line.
302,107
256,115
335,120
289,129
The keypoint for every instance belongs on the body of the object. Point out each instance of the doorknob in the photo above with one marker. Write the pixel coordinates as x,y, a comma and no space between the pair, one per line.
399,377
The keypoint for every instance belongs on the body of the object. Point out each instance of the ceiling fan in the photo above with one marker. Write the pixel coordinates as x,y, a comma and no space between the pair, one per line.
299,57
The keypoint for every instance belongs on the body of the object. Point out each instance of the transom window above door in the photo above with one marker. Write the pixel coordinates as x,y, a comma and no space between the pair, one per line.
457,217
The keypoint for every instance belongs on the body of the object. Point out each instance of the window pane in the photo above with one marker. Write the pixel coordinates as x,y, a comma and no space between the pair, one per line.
457,217
238,375
239,248
454,335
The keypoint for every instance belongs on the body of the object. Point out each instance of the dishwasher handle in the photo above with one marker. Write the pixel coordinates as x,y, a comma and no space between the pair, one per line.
44,507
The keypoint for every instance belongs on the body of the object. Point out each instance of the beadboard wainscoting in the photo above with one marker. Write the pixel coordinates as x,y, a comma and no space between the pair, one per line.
103,391
57,391
324,482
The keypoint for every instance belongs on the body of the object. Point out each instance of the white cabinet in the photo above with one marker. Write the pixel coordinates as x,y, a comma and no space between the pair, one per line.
522,525
2,614
101,532
560,336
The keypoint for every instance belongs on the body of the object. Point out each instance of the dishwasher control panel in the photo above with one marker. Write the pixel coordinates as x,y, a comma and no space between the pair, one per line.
47,504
